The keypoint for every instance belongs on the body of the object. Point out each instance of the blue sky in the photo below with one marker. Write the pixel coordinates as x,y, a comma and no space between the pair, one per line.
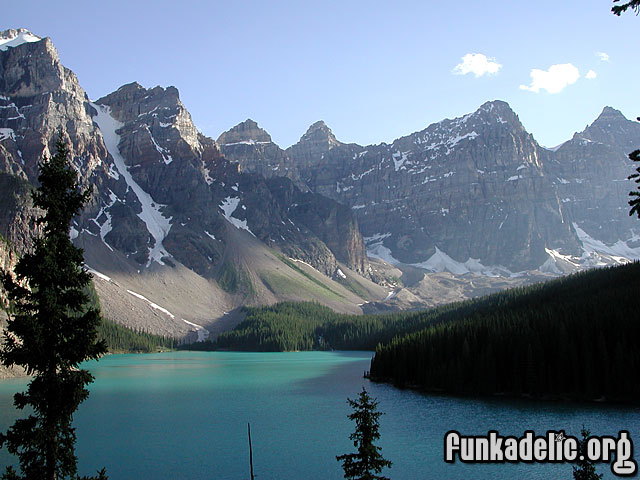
373,71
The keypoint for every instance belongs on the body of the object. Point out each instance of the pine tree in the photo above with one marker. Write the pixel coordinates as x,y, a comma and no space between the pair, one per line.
633,4
635,200
368,460
50,330
585,470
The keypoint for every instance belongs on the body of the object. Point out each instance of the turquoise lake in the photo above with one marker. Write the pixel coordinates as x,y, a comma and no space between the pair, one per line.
184,415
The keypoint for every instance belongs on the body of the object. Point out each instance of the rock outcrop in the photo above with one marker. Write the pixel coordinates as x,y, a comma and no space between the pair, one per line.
478,193
164,196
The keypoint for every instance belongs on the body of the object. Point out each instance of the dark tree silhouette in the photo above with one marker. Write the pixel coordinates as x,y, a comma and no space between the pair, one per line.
618,9
585,468
635,155
368,461
635,195
50,330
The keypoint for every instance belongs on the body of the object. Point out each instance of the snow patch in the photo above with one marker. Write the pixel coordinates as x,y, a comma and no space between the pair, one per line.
376,237
398,160
166,157
355,178
207,176
7,133
228,206
157,224
441,262
452,142
245,142
202,332
376,249
620,251
98,274
152,305
23,36
391,294
595,253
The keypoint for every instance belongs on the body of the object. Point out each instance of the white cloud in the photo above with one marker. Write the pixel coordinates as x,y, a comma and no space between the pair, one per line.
591,74
553,80
603,56
478,64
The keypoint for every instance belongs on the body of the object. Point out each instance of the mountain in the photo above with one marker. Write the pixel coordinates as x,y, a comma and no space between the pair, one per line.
177,234
181,230
252,148
478,194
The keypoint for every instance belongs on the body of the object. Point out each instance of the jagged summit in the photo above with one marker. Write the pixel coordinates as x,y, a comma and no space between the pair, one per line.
496,111
612,128
134,91
317,140
245,132
132,100
320,134
14,37
610,114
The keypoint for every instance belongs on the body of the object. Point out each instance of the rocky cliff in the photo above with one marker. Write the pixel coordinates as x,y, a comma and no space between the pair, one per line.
479,194
251,147
166,202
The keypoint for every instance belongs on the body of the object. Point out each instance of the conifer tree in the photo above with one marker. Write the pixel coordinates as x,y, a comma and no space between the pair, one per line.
50,330
633,4
585,470
368,461
635,155
635,200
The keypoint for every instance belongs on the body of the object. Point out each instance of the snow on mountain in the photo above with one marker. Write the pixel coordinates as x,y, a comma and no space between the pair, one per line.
13,38
228,206
441,262
595,253
620,252
157,224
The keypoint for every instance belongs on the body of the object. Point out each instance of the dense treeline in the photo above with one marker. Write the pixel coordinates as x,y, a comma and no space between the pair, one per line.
574,337
292,326
121,339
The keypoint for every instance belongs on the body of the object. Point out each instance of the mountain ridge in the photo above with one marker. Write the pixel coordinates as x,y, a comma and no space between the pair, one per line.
168,206
459,208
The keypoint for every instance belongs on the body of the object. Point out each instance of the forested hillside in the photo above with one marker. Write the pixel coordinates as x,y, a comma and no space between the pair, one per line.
308,326
575,337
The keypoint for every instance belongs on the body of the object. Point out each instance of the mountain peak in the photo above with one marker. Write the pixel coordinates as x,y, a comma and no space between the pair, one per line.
499,109
609,113
320,135
14,37
611,128
247,131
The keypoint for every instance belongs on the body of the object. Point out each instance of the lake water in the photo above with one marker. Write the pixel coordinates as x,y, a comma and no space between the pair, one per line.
184,415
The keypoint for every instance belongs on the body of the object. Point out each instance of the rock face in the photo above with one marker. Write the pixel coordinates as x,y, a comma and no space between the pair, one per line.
590,174
164,195
478,193
251,147
39,98
317,140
